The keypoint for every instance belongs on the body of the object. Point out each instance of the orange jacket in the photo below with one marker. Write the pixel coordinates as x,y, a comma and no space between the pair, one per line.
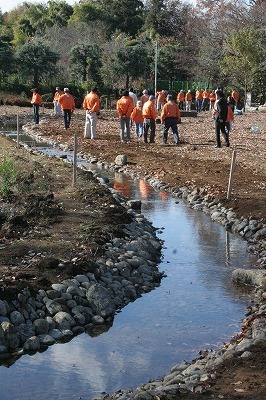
67,102
230,115
188,96
235,95
149,110
136,115
161,97
199,95
212,96
170,110
144,98
36,98
206,94
57,94
91,102
181,97
124,106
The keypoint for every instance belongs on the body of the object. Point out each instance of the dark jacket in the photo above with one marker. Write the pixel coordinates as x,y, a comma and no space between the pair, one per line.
222,109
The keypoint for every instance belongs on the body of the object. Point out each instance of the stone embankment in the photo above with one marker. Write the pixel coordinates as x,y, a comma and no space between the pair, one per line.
127,269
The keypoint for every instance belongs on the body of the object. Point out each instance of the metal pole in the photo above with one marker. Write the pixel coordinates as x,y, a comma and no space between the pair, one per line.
155,68
75,160
17,132
232,170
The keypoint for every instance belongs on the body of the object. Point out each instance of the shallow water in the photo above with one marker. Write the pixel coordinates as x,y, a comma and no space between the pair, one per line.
196,307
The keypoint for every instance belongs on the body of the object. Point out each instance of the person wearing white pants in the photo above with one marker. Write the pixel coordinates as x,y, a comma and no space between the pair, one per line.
91,104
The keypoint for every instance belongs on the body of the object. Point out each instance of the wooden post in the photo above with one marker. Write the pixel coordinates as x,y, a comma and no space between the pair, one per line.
17,132
106,103
232,170
75,160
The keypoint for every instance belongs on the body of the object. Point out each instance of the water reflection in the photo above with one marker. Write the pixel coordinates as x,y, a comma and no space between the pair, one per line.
195,307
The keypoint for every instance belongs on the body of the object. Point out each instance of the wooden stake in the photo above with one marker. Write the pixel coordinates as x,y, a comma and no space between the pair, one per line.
17,132
232,170
75,160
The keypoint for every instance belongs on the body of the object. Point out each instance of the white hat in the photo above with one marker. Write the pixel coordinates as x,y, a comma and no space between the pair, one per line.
139,103
66,89
145,91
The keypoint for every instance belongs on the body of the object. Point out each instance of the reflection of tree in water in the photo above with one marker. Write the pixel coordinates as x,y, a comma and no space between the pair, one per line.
220,252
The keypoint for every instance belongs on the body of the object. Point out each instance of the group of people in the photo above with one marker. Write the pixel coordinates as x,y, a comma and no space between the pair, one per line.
145,112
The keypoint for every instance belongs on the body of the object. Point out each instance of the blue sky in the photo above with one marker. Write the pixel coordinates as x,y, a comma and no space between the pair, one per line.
7,5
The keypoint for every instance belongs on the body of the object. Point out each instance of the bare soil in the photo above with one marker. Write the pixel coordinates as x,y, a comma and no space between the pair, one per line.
61,226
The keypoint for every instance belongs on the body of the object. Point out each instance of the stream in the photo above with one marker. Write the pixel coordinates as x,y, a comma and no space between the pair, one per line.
196,307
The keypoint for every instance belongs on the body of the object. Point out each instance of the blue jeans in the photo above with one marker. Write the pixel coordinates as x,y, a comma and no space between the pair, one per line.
149,123
124,125
67,118
170,123
36,108
138,128
198,105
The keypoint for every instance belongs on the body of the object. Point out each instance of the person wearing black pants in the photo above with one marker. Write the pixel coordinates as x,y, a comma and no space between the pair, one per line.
220,118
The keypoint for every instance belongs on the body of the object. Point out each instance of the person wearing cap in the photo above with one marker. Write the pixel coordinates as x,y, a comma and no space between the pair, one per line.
212,99
137,118
144,97
188,100
57,107
91,104
220,117
36,100
124,107
206,100
67,104
149,115
170,117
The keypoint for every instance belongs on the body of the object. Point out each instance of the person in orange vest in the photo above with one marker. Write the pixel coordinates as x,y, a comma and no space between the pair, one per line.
198,98
36,100
235,96
161,99
188,100
91,104
181,99
206,100
124,107
137,118
57,107
170,116
229,120
149,115
144,97
212,99
67,104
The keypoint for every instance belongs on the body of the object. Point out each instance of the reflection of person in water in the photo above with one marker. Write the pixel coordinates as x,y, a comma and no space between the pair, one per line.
163,195
122,185
145,189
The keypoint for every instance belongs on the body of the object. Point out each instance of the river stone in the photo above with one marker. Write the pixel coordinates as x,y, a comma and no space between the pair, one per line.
100,300
16,318
26,330
9,336
56,334
3,308
53,307
53,294
121,159
59,287
46,340
32,344
64,320
41,326
250,277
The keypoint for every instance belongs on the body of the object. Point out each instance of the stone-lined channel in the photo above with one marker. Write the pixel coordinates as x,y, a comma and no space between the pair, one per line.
196,307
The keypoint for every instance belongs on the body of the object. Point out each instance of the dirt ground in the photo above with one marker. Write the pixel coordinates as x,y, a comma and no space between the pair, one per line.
71,224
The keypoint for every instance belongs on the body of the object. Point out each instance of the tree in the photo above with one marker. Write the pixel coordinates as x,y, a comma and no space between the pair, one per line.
242,59
126,60
36,61
7,60
86,61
